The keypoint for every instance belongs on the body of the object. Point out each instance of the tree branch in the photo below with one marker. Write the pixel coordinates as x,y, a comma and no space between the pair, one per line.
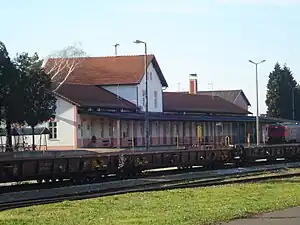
62,63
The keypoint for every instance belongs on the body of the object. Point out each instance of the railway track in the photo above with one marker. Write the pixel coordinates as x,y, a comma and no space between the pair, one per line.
33,185
19,204
152,185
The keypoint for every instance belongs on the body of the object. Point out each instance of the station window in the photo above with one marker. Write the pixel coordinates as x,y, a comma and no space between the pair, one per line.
81,132
157,128
177,128
142,126
53,130
111,128
102,129
150,128
126,130
155,99
168,127
144,98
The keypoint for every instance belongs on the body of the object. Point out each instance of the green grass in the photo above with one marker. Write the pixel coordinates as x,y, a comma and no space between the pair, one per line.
184,206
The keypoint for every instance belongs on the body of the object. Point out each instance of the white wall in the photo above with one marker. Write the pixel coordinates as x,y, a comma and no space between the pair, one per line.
134,93
154,84
65,115
241,102
128,92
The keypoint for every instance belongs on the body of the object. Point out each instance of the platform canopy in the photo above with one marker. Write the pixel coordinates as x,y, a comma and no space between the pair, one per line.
178,117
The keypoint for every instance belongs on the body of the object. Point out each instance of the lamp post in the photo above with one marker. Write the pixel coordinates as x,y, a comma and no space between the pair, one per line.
146,83
257,108
116,48
293,99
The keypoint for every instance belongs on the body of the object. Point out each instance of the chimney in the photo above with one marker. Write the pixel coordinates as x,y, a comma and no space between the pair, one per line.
193,84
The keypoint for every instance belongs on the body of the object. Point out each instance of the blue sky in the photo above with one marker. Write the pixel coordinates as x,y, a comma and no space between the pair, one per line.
213,38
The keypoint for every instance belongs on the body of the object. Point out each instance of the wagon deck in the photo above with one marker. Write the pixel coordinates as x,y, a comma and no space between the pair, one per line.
90,164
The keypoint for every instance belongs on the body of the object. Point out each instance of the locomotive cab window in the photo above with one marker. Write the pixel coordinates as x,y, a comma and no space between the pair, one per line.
53,130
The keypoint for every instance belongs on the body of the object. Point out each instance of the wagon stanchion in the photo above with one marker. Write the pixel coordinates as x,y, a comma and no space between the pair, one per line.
132,136
227,141
199,135
177,141
249,139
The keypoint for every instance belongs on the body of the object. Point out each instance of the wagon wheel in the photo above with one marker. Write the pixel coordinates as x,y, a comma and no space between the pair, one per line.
26,149
47,180
39,181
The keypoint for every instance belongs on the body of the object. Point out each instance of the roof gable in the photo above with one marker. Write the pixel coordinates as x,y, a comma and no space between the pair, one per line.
184,102
113,70
92,96
228,95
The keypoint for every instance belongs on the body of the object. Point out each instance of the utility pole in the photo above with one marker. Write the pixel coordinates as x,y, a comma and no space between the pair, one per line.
293,100
257,108
146,84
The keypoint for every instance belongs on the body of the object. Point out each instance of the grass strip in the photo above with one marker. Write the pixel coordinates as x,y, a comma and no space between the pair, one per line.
194,206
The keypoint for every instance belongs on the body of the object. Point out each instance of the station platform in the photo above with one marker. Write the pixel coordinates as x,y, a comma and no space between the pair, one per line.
290,216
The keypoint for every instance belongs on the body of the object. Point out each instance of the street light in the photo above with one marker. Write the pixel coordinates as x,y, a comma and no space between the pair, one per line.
257,109
293,99
146,114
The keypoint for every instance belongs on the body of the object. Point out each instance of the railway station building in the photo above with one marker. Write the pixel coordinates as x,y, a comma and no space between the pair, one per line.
102,104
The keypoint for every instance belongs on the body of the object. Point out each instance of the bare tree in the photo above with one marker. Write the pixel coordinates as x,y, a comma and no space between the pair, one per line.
62,63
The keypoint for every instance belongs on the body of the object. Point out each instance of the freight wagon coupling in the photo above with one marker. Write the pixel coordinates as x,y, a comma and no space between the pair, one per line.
89,167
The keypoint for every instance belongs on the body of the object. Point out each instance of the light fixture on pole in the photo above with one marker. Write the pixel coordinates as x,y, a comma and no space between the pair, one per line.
146,83
257,108
116,48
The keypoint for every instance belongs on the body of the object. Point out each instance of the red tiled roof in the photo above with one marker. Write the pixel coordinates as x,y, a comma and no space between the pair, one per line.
92,96
116,70
228,95
184,102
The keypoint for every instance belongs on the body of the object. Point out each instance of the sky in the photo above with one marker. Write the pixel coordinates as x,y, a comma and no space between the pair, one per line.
213,38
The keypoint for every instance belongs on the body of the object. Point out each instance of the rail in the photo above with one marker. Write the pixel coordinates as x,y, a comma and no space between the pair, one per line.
15,200
115,191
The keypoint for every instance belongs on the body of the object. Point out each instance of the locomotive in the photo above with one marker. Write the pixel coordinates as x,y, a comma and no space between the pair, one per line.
283,133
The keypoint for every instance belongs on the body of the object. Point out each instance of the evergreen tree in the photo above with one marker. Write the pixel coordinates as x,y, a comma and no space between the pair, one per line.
39,101
281,92
10,92
297,100
273,94
287,93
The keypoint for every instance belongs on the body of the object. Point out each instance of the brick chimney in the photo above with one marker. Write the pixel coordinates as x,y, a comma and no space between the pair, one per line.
193,84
